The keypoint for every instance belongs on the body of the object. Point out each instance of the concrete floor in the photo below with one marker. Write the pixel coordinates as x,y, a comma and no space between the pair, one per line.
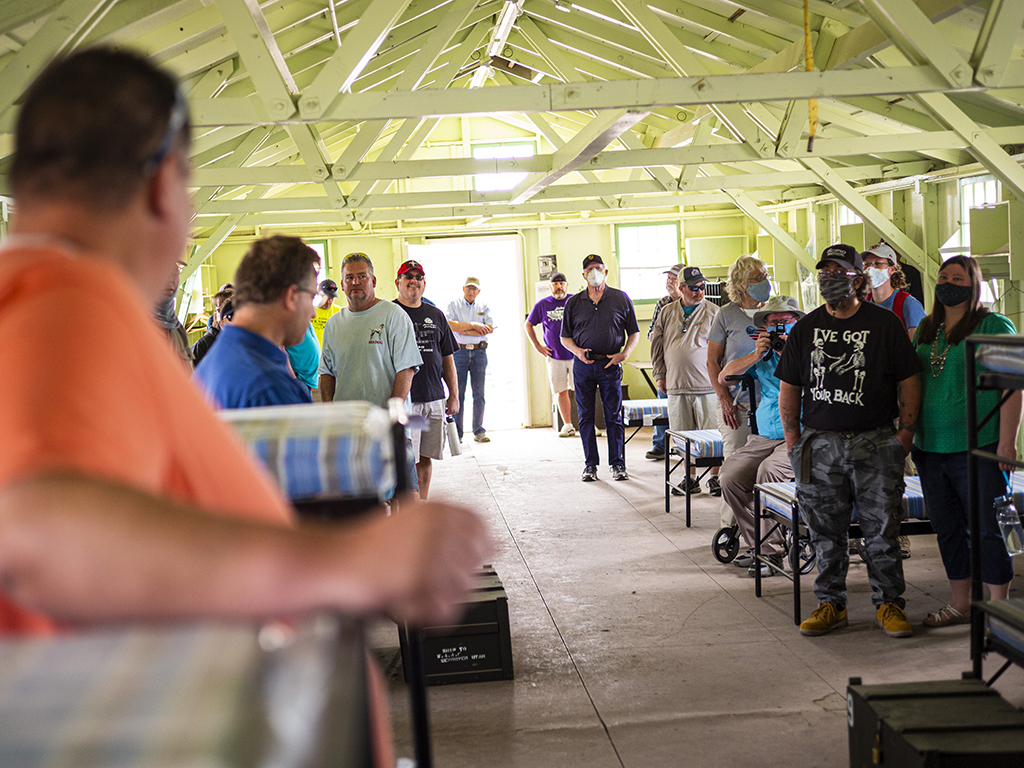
633,646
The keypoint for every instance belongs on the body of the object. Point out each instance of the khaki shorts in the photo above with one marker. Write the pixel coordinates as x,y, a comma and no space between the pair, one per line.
559,374
686,412
429,442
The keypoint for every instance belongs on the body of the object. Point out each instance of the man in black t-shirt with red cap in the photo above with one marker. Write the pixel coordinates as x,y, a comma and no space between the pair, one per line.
437,347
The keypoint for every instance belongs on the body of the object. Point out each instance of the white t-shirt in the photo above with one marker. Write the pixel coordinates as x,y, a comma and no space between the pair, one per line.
364,350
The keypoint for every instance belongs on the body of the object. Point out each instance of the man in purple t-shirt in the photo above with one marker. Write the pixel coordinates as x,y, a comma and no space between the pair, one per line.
548,313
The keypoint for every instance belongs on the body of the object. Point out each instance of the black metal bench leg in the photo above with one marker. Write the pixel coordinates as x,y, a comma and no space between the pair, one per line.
668,472
794,561
757,543
686,481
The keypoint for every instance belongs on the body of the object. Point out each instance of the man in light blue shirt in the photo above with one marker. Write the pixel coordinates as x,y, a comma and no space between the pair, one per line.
370,350
470,320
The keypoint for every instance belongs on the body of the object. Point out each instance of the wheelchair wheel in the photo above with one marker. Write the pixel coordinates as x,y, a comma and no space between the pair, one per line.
861,547
806,555
726,544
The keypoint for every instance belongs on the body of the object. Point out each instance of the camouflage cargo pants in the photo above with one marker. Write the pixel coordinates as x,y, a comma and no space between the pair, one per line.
835,473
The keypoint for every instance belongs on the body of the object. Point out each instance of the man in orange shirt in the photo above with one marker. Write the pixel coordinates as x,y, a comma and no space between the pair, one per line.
110,507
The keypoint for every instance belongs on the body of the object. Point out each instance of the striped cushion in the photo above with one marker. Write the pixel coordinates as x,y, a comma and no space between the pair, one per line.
780,497
335,450
644,412
704,443
1005,359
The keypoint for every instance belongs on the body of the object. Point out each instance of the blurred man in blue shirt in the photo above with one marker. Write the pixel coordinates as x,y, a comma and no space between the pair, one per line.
274,289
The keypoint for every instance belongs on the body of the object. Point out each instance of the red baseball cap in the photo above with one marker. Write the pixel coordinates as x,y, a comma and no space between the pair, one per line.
411,266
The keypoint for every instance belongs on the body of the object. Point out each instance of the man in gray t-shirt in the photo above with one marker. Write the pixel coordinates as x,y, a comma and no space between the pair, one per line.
369,350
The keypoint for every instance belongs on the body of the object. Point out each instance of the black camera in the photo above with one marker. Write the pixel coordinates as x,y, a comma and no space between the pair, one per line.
775,334
775,341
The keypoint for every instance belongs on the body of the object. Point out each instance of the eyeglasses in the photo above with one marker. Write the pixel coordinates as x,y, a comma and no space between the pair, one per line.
300,289
412,276
175,125
699,288
837,273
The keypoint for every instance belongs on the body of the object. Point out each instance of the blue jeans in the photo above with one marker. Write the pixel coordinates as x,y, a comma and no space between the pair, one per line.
588,379
658,441
471,363
944,482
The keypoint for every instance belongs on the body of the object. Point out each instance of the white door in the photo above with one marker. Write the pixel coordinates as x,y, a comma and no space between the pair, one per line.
497,262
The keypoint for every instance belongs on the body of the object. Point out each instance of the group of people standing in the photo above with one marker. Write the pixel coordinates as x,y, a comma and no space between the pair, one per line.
286,339
845,393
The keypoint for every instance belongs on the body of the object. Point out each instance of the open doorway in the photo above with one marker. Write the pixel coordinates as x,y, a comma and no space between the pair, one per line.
498,263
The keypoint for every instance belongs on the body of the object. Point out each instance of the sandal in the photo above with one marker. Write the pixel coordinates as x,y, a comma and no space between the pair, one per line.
946,616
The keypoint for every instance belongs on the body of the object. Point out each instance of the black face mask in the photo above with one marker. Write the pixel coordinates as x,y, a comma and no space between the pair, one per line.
951,295
835,289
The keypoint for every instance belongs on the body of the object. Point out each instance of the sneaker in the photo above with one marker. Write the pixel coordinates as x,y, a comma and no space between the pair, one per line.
766,571
745,560
598,433
656,454
481,437
589,474
714,487
691,485
825,618
893,620
567,430
904,547
946,616
619,472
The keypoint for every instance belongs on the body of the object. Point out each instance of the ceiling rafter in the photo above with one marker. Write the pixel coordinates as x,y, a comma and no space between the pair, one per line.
346,64
61,33
685,64
583,147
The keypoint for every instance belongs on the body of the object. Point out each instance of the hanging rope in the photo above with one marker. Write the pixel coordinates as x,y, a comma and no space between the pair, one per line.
812,104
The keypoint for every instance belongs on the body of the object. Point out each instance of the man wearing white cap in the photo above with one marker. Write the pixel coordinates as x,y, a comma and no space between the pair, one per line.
471,322
889,288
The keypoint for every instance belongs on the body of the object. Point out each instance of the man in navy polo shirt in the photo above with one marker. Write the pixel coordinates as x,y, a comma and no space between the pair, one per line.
599,327
274,289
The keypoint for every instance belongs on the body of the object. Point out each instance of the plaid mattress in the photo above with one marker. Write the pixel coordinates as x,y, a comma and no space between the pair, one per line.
704,443
334,450
637,412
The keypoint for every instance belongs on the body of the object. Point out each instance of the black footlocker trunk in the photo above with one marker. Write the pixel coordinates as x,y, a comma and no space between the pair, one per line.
477,649
945,723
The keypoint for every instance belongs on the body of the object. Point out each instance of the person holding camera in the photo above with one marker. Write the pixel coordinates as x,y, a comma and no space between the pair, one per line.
679,352
764,458
599,327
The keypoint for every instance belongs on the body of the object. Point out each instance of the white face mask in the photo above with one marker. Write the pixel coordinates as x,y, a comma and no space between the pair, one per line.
877,276
595,277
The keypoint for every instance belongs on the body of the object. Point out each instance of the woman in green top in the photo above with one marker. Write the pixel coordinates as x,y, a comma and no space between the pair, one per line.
940,445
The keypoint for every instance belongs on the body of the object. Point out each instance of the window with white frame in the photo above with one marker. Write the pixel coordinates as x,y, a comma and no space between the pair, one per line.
500,182
848,216
645,251
320,246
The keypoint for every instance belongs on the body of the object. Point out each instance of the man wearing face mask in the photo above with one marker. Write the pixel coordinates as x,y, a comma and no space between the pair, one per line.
599,327
548,313
763,459
851,367
679,352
